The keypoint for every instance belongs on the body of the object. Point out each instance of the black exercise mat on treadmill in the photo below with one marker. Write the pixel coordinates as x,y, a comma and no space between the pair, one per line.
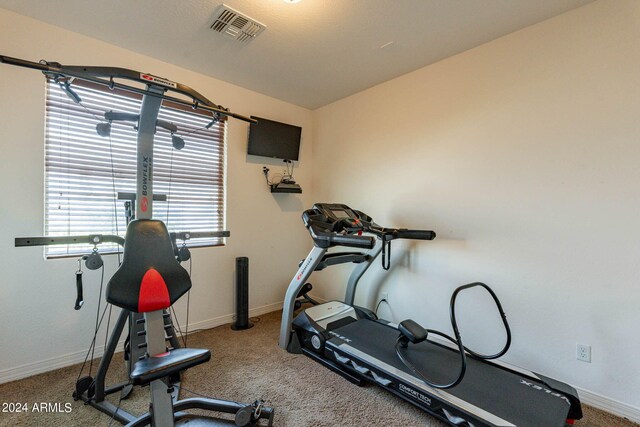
509,395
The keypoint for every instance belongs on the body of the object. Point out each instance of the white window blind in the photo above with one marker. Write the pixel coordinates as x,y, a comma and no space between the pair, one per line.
84,172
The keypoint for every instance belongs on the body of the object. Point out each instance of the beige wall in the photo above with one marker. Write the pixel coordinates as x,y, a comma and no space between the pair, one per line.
41,329
523,154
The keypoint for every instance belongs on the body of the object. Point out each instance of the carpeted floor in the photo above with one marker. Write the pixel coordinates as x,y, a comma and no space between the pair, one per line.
246,365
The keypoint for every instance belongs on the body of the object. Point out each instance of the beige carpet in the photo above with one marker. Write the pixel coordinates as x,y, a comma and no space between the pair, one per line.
246,365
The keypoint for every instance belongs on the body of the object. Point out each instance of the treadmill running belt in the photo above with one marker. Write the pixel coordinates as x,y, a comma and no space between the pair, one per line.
491,393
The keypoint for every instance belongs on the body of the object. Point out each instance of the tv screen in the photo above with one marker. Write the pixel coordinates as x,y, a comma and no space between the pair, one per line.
269,138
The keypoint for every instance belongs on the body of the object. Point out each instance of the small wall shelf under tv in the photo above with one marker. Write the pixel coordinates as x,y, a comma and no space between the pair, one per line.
285,184
286,188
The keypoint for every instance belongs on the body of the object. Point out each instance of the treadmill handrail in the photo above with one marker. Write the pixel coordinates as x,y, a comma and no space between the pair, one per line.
337,258
324,238
388,234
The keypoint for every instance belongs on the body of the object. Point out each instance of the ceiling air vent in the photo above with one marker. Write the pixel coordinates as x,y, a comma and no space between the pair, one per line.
233,24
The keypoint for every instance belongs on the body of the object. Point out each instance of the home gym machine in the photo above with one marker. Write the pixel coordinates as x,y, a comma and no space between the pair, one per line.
425,367
150,279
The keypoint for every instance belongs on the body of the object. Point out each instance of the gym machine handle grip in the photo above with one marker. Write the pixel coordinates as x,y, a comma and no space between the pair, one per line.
23,63
416,234
129,117
79,297
364,242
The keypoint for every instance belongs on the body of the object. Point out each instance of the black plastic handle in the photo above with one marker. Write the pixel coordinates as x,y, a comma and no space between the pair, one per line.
66,87
23,63
126,117
79,297
171,127
325,238
416,234
364,242
412,331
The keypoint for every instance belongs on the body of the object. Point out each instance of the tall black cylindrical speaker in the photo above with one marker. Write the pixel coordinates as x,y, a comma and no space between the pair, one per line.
242,295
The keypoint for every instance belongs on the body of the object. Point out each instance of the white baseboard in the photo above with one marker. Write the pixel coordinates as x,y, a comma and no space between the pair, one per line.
320,300
612,406
229,318
39,367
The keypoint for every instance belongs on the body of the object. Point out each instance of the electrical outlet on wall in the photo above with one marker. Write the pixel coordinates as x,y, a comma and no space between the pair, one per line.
583,352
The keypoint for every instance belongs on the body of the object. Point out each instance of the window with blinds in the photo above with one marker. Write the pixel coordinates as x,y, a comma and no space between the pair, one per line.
85,172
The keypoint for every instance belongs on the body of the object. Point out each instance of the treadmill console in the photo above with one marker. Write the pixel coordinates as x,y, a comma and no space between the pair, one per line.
335,224
338,217
335,211
332,224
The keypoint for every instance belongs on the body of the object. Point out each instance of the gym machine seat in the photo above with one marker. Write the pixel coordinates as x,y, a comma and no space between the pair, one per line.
166,364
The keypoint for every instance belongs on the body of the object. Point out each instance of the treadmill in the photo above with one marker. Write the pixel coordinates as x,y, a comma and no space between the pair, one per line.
352,342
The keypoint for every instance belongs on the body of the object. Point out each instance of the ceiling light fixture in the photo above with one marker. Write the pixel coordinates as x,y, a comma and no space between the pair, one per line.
291,1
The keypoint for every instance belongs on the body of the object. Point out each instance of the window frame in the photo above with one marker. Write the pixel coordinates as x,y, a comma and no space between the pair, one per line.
218,181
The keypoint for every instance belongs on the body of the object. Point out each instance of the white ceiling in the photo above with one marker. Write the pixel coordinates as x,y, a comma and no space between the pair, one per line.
313,52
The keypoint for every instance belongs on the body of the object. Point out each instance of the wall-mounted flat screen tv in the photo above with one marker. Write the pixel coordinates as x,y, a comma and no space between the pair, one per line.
269,138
